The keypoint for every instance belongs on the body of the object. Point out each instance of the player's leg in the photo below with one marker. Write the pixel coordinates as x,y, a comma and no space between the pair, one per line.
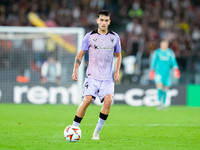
81,110
107,104
103,116
165,90
159,88
166,84
106,92
89,92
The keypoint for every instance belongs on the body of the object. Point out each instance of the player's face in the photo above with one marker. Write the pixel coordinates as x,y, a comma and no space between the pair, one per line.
51,60
103,23
164,45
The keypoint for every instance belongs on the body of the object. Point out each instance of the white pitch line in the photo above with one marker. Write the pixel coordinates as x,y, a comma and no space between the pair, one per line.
147,125
112,125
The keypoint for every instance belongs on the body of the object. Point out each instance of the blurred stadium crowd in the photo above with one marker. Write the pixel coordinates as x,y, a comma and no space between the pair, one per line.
141,25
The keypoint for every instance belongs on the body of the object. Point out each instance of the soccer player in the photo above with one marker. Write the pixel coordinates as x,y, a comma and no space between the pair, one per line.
163,60
102,44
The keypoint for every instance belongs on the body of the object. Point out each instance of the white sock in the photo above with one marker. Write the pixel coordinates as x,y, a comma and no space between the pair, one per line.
100,124
96,133
76,123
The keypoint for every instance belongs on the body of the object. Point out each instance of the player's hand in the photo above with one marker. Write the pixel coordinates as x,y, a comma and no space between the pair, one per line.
152,74
116,77
43,80
75,76
177,73
58,80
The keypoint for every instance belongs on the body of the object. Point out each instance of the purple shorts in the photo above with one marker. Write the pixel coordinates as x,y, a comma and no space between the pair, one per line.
98,88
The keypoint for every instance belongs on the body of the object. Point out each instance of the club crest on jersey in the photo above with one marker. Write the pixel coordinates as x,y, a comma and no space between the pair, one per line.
112,40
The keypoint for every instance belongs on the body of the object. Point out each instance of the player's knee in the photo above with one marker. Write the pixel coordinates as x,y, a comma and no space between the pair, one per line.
159,86
108,101
165,88
86,101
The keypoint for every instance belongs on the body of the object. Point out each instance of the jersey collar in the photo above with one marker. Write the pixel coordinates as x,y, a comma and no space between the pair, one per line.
96,31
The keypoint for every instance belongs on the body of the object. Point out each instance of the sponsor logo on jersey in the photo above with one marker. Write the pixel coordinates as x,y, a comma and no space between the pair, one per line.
102,47
163,57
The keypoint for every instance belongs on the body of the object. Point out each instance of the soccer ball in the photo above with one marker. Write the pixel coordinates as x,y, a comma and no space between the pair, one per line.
72,133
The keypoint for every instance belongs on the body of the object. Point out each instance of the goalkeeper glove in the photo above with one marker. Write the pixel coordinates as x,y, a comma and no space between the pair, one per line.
177,73
152,74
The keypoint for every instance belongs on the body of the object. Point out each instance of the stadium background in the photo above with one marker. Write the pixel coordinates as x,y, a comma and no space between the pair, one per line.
141,25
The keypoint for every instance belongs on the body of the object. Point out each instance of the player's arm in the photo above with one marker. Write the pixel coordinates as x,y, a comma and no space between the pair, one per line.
152,66
77,63
44,70
118,65
175,66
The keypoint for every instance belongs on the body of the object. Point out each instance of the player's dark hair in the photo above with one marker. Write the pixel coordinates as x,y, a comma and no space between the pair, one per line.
103,12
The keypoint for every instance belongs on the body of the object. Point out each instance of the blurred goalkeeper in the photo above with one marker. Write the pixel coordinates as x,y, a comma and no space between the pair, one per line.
163,60
102,44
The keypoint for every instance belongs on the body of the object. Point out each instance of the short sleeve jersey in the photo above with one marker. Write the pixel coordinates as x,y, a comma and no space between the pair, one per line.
163,61
101,49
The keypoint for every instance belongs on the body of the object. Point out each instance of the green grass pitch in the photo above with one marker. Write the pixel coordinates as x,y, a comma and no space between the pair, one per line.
38,127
